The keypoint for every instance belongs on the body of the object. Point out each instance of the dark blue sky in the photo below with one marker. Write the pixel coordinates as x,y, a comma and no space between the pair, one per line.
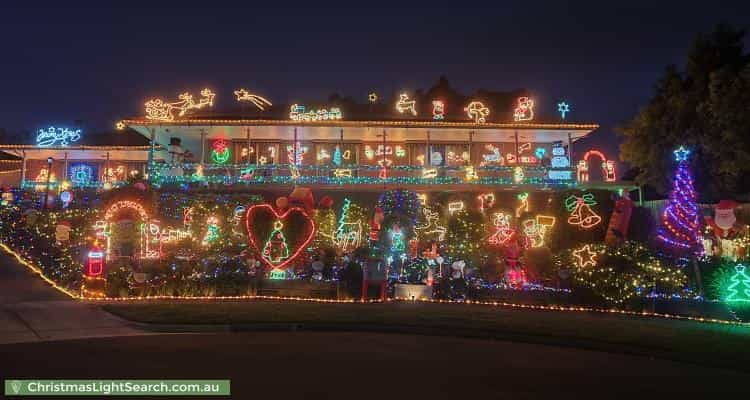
99,64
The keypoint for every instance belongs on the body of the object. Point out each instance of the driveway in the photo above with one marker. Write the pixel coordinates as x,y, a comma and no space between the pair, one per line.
32,311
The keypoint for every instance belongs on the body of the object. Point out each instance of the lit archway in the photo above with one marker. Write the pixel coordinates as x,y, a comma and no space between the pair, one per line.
608,167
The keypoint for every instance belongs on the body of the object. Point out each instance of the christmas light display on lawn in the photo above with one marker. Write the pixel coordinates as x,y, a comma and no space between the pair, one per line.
159,110
276,249
681,220
348,234
212,231
404,104
220,153
503,232
258,101
585,257
523,204
272,250
535,230
431,228
477,111
738,290
580,211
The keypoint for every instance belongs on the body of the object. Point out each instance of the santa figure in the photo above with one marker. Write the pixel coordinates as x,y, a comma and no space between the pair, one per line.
724,223
725,228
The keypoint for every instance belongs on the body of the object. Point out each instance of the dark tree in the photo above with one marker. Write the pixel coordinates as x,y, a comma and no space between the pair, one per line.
705,107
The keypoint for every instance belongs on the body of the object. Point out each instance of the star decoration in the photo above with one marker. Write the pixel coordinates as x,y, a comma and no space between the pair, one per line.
563,108
681,154
585,256
120,125
372,97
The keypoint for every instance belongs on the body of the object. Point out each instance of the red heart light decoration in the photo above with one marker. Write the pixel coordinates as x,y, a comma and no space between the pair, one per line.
279,217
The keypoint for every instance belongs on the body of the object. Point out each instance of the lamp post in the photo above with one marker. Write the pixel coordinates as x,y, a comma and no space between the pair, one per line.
49,174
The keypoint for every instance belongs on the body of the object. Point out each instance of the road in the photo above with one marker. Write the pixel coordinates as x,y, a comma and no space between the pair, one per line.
38,326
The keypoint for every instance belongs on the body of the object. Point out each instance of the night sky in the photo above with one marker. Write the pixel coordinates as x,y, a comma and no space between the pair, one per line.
97,65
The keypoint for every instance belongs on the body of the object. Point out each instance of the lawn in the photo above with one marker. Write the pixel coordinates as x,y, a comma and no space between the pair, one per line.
686,341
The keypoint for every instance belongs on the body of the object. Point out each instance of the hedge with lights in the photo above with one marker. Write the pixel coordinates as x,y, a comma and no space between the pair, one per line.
619,274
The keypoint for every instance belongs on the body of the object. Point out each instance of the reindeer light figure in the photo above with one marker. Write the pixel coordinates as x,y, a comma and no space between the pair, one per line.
158,109
404,104
431,226
258,101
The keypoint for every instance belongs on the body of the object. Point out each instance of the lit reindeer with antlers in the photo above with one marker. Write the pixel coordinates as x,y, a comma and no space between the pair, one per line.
158,109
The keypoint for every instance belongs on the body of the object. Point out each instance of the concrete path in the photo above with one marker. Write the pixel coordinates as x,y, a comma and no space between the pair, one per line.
32,311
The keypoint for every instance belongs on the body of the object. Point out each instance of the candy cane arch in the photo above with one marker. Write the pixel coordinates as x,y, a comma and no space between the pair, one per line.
608,167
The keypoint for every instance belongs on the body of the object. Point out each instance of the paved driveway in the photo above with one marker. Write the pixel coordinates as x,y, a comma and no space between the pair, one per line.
31,310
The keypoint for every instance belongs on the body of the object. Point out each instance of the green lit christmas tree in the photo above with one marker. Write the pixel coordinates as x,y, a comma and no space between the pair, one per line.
739,290
276,249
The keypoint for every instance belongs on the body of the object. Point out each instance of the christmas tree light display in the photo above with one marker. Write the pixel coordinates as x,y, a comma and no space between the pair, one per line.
739,290
681,219
212,231
276,249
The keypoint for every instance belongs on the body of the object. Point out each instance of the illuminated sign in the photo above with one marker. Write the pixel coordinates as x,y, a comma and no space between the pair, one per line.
560,175
57,136
298,113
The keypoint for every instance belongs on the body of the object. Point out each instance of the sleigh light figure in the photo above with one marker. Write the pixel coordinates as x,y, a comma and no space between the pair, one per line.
159,110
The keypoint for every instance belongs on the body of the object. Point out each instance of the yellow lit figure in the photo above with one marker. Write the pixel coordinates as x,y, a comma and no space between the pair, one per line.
477,111
430,226
486,201
585,257
523,206
159,110
404,104
429,173
342,173
518,175
455,206
258,101
503,232
580,210
471,174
